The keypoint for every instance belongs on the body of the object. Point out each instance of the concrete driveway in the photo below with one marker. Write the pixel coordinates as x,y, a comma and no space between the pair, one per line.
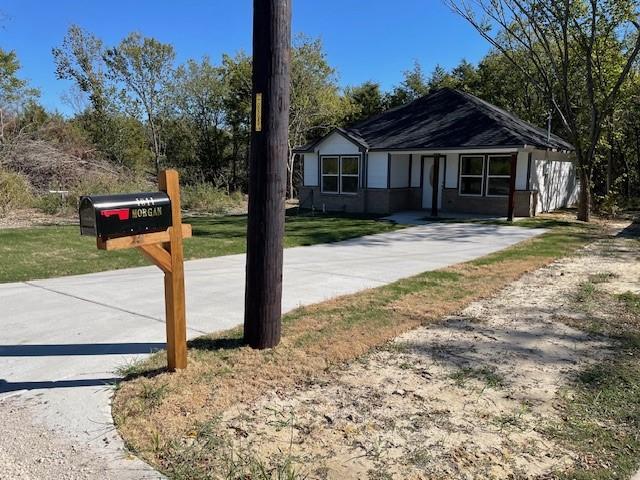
61,339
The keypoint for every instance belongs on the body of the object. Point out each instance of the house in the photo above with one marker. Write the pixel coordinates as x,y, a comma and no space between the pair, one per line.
388,162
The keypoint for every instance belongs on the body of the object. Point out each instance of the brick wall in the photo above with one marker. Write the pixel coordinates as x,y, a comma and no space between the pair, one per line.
383,201
374,200
453,202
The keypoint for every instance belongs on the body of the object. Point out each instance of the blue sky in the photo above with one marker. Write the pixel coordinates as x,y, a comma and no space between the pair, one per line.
364,39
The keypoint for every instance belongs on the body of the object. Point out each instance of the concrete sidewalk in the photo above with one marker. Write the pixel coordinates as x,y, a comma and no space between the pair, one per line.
61,339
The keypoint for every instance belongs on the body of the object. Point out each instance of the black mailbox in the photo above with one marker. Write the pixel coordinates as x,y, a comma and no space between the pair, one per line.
121,215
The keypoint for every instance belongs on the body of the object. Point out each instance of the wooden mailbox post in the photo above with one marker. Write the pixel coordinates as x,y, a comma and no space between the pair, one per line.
164,249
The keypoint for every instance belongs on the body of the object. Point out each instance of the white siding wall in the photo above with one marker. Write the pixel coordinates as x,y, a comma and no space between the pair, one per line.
522,166
377,170
399,171
451,180
336,144
416,170
310,165
554,180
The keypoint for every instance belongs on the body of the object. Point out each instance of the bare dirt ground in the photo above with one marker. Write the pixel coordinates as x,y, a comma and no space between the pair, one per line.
31,217
468,398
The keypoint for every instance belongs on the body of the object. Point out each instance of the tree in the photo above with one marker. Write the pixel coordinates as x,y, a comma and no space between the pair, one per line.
237,105
413,86
80,59
440,78
316,104
14,92
198,93
144,67
366,100
465,76
507,87
578,54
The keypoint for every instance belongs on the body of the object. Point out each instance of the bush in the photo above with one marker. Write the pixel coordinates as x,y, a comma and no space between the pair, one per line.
15,192
608,205
52,203
207,198
55,204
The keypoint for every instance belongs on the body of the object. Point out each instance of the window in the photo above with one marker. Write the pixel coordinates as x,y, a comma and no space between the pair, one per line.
471,175
330,174
340,174
349,174
498,176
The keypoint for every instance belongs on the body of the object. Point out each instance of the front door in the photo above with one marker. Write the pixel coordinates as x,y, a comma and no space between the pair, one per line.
427,181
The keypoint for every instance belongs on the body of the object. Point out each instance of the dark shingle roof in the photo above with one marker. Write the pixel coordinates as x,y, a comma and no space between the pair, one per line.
447,119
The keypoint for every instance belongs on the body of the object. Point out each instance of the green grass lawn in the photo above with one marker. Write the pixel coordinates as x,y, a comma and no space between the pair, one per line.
44,252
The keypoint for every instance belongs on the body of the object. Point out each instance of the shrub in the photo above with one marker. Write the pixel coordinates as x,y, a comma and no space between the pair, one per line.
52,203
609,204
207,198
55,204
15,192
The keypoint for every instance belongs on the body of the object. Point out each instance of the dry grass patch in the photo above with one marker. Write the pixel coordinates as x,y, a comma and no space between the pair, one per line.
169,419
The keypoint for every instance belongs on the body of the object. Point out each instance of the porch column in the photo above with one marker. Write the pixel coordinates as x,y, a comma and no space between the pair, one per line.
436,186
512,187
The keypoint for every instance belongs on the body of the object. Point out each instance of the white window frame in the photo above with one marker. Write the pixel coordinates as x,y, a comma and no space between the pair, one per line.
322,174
350,175
339,175
489,176
481,176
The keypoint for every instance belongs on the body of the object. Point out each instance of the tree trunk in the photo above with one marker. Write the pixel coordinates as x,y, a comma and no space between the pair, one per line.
234,160
292,164
267,168
584,203
609,169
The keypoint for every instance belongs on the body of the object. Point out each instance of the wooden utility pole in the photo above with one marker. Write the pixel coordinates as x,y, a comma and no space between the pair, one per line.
512,187
267,171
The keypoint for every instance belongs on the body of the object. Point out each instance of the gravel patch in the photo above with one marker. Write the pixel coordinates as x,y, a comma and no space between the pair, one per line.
30,451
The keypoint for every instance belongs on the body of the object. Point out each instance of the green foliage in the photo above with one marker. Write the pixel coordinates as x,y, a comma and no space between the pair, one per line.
52,204
15,192
143,68
207,198
413,85
608,204
12,88
198,93
366,101
316,103
237,105
80,59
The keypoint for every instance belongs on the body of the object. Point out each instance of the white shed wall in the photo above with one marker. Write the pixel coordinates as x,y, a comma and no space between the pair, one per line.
310,167
377,170
554,180
399,171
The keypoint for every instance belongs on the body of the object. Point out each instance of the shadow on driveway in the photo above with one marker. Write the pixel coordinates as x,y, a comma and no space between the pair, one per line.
62,350
6,387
